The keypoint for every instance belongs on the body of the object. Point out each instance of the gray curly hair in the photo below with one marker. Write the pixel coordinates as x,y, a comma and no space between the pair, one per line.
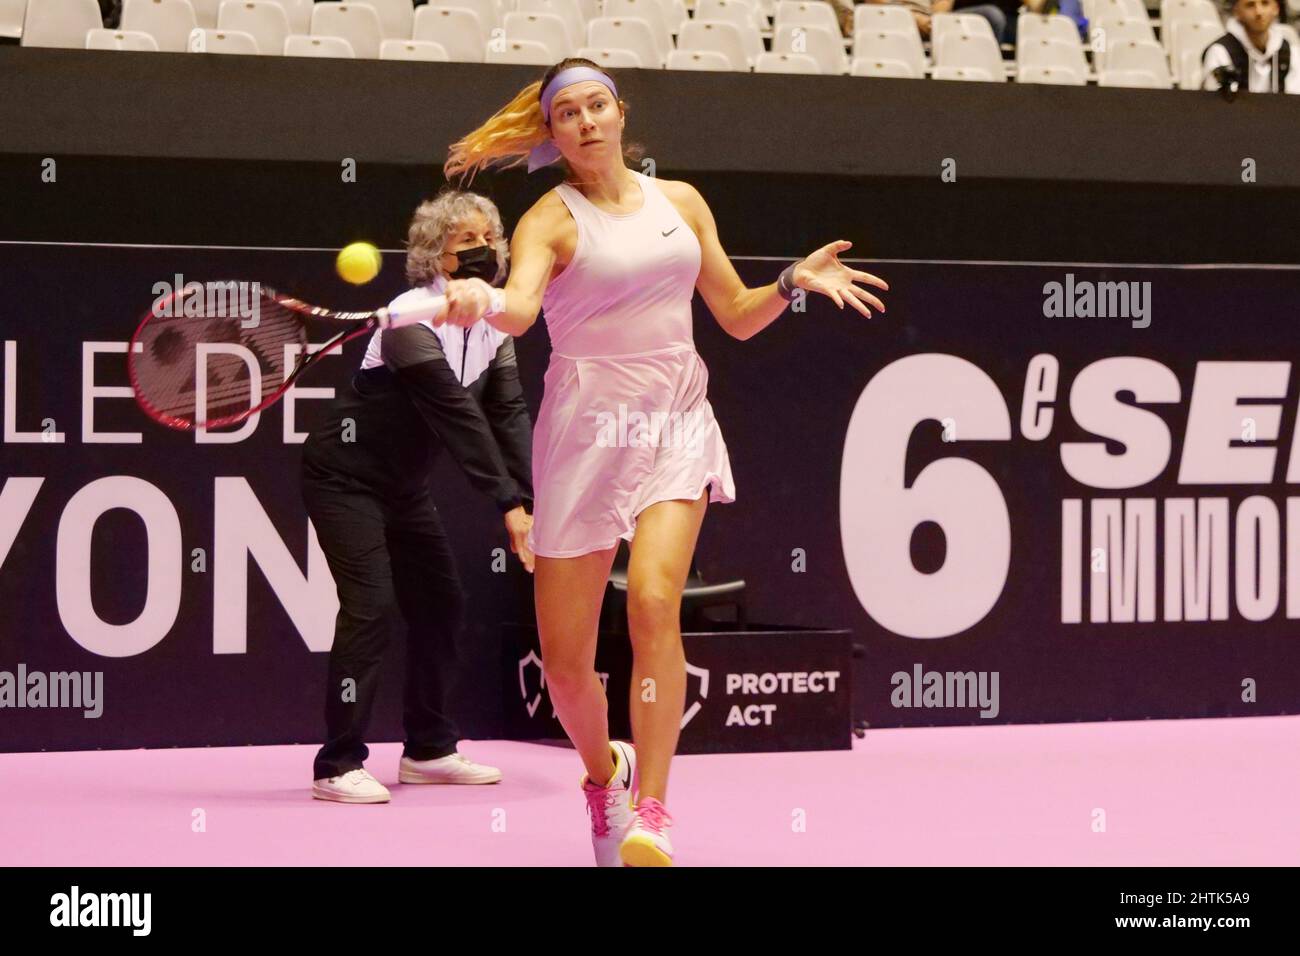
434,225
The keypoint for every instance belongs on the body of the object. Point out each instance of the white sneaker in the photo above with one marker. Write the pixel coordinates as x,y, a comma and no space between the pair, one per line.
453,768
355,786
646,842
610,807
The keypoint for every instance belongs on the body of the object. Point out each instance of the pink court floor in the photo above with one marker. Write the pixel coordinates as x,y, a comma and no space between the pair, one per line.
1168,793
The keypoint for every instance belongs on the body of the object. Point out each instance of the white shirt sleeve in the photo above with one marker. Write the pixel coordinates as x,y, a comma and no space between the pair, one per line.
1215,57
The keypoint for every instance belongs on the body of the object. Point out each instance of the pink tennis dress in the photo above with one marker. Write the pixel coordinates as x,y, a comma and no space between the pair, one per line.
625,421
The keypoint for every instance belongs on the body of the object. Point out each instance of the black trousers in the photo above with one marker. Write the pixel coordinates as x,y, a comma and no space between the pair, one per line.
384,551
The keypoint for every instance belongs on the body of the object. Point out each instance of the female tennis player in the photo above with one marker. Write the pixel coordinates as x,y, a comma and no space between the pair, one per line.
613,257
366,486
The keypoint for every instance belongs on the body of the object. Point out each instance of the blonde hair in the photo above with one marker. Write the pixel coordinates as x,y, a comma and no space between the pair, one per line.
508,136
435,223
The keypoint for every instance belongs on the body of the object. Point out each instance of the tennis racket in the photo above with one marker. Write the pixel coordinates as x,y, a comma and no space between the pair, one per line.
212,354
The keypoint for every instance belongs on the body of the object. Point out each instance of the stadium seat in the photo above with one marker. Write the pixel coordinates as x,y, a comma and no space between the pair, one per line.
546,29
653,12
825,47
525,52
1117,11
1189,42
787,63
121,40
614,58
1140,56
971,51
865,66
264,19
167,21
566,10
1051,75
743,13
803,13
1042,52
299,14
883,18
297,44
1031,26
891,46
1186,11
358,23
626,33
223,41
459,31
11,18
961,24
205,12
710,60
488,12
730,40
966,73
395,18
423,50
1130,78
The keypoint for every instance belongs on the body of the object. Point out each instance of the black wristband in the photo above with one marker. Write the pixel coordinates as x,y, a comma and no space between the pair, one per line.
785,282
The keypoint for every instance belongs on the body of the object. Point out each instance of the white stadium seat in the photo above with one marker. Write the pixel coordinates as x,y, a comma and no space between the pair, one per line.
612,58
710,60
970,51
891,46
205,12
960,24
299,13
1189,42
566,10
459,31
264,19
546,29
1051,75
787,63
825,47
864,66
167,21
1051,53
1103,36
527,52
223,41
395,18
742,13
1186,11
965,73
121,40
489,12
883,18
1031,26
802,13
653,12
1116,11
358,23
11,18
1131,78
423,50
626,33
297,44
1141,56
721,37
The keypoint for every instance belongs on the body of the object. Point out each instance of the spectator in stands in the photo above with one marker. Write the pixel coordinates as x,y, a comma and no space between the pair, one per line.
1010,10
1252,56
922,10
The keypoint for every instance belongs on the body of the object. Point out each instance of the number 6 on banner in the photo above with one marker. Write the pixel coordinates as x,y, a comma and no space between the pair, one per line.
878,515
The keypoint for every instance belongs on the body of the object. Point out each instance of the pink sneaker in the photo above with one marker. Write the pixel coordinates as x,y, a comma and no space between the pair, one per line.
610,808
646,843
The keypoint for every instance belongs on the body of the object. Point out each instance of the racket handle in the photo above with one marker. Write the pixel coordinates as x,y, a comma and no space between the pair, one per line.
425,308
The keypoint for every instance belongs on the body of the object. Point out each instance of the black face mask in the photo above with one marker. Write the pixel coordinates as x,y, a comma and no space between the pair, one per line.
477,263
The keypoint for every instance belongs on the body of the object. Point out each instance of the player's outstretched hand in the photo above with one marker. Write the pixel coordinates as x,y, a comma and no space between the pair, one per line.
467,301
823,272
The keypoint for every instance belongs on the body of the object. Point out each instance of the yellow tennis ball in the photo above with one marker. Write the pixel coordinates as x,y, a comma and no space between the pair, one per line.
358,263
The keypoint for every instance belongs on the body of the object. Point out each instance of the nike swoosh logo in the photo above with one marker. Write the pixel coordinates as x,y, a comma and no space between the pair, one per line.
671,231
